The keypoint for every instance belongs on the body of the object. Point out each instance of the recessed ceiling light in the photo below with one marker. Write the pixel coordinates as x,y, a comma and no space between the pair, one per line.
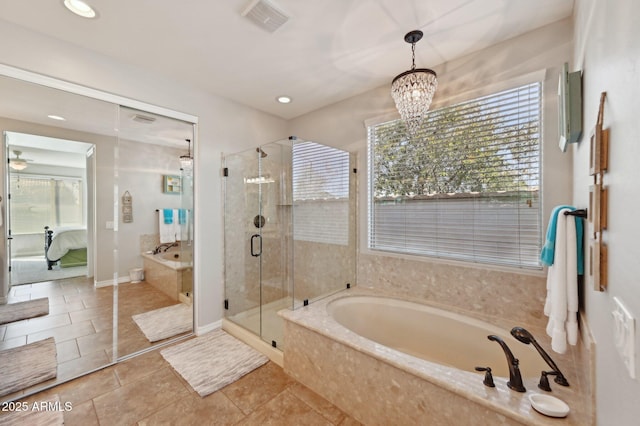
283,99
56,117
80,8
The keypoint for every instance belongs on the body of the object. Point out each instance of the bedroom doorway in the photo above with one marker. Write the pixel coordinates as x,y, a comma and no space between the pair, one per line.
49,181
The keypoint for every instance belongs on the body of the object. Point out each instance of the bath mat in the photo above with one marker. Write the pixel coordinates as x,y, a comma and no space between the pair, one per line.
213,360
165,322
22,310
74,258
27,365
44,412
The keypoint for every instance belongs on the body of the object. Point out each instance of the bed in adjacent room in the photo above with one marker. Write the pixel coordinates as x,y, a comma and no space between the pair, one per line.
66,246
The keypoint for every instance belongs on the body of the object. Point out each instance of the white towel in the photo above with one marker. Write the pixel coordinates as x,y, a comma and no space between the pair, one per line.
561,305
184,227
167,230
176,225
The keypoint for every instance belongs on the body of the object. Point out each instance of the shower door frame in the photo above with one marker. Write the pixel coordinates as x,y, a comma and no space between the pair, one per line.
256,242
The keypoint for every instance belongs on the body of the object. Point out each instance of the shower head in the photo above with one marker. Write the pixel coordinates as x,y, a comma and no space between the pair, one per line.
525,337
522,335
262,153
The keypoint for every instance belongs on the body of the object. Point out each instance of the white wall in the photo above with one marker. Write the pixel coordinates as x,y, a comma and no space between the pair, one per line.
607,50
224,126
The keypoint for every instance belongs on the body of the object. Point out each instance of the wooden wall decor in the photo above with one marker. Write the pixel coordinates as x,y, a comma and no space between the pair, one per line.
594,263
599,144
598,201
598,214
604,265
594,210
127,207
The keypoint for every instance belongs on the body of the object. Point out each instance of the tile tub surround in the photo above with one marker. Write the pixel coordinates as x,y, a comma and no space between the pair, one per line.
378,385
166,275
508,295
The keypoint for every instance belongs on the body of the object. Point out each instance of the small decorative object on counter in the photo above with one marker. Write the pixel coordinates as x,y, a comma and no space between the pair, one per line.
549,405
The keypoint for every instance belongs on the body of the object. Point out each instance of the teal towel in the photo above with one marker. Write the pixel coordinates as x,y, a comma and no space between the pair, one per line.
182,216
168,216
548,251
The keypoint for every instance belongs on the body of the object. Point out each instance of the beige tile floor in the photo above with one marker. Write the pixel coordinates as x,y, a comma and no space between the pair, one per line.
81,322
145,390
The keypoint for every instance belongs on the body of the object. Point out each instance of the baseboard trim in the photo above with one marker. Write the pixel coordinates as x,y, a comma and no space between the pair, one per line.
209,327
107,283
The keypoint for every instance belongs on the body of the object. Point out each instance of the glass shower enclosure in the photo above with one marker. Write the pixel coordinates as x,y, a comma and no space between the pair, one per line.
289,231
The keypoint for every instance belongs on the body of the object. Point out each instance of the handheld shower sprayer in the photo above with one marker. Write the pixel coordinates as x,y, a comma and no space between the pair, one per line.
525,337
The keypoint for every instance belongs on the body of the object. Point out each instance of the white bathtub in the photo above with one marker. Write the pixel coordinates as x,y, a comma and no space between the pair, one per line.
386,361
433,334
172,259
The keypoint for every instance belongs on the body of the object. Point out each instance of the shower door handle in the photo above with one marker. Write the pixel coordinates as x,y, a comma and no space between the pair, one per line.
253,252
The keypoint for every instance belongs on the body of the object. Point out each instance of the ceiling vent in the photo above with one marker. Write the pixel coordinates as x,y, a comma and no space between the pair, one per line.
266,15
143,118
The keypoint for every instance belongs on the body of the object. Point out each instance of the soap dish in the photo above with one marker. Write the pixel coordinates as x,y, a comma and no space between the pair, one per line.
549,405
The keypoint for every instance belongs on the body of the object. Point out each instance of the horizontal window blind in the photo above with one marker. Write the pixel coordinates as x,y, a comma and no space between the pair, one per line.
320,193
37,202
465,186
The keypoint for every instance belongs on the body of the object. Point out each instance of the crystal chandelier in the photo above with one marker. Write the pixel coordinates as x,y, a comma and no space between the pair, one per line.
413,90
186,161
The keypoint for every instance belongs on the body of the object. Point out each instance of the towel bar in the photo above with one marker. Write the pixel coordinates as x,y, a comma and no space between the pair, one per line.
578,213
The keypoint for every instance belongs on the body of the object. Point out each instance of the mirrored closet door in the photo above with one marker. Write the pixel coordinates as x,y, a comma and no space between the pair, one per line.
155,238
98,226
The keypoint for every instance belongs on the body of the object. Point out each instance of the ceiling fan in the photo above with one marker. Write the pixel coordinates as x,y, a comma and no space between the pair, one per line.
18,163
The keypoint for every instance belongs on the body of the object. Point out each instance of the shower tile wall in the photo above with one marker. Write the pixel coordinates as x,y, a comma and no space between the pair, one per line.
243,272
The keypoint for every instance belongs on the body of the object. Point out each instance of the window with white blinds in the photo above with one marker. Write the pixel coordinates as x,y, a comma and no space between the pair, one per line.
320,193
39,201
466,186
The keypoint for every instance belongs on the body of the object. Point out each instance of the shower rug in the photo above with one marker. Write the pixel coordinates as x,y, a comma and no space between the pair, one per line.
165,322
23,310
213,360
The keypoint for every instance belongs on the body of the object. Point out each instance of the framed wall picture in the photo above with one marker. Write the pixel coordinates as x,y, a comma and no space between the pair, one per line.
598,264
599,149
595,147
598,209
595,193
172,184
594,263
